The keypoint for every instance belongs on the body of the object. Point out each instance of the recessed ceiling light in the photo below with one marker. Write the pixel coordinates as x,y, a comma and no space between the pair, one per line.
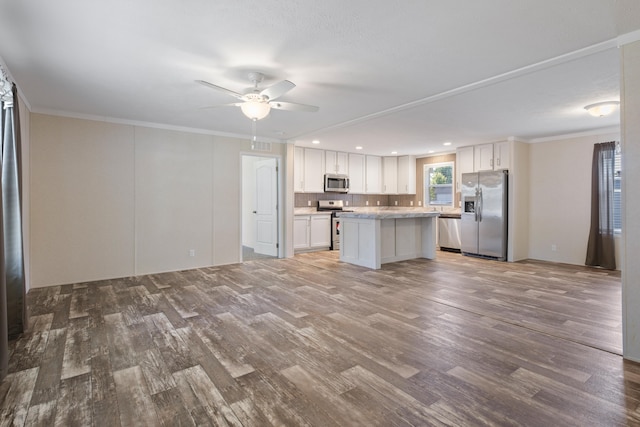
315,141
447,143
431,151
358,148
394,152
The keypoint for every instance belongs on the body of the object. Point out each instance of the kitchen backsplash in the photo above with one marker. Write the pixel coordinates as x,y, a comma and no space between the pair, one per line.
356,200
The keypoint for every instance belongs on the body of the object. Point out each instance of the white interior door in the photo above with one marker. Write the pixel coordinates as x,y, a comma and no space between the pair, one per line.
266,213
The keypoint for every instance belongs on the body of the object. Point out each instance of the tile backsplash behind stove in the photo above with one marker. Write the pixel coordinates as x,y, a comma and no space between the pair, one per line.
303,200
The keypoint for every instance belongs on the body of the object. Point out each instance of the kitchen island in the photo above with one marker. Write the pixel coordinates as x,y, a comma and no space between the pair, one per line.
370,239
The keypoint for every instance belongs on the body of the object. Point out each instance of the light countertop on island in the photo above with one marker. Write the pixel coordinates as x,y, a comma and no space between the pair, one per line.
389,214
370,238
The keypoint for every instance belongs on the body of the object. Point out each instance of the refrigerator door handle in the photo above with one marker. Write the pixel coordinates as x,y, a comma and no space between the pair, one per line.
480,205
476,206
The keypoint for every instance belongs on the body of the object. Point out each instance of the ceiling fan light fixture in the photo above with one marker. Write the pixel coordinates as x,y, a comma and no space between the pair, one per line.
255,110
601,109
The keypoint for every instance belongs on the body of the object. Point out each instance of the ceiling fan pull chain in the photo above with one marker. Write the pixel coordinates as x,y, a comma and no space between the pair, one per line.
253,132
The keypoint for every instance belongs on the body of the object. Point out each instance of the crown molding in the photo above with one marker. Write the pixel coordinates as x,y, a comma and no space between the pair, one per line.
107,119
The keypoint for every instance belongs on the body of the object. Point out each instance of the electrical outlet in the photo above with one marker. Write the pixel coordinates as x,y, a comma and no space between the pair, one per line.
410,202
554,247
192,252
395,203
346,203
419,202
366,203
308,202
378,202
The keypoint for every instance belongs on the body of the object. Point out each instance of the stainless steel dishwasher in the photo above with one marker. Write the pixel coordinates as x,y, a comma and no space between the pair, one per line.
449,232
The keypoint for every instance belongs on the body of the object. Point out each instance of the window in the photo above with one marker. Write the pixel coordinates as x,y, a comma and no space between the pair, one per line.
438,184
617,192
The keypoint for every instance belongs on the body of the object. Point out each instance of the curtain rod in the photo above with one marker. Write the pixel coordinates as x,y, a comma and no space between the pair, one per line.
4,72
6,85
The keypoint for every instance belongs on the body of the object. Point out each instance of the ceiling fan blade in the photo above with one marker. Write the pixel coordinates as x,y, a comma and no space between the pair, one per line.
221,89
233,104
292,106
277,90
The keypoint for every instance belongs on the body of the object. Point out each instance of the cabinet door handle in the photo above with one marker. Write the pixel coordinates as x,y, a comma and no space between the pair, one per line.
498,161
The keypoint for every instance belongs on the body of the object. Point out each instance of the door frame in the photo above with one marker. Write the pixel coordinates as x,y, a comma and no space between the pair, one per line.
280,197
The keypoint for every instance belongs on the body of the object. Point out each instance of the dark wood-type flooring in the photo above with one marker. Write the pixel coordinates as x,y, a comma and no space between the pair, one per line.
310,341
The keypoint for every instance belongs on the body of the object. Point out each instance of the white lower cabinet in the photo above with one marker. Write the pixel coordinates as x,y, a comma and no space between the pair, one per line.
311,232
301,234
320,231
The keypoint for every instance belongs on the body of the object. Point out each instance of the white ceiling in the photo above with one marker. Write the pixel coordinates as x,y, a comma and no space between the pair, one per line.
403,75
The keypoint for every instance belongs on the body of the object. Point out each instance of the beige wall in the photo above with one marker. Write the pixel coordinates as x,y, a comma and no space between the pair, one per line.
560,197
519,195
111,200
173,200
82,200
630,89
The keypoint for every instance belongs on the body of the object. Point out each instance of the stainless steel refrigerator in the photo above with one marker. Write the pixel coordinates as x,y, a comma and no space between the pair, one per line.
484,214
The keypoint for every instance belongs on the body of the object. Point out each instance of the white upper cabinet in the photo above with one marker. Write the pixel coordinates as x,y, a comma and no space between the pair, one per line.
313,170
492,156
298,169
406,175
501,155
356,173
336,162
389,175
464,163
373,175
367,174
483,157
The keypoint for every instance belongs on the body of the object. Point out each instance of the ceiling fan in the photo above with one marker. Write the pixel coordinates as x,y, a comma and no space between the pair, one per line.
257,103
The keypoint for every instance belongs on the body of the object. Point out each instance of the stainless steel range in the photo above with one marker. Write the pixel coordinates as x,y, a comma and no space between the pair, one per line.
334,206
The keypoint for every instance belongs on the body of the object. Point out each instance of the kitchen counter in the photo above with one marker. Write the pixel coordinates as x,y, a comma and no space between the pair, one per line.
373,238
389,214
310,211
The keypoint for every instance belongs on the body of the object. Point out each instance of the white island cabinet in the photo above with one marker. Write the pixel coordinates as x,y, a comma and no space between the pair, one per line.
370,239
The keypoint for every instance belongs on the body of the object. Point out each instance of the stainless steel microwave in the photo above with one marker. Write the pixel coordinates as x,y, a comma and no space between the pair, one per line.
334,183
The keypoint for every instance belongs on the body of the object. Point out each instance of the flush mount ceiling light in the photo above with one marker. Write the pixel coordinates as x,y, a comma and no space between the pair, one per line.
601,109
